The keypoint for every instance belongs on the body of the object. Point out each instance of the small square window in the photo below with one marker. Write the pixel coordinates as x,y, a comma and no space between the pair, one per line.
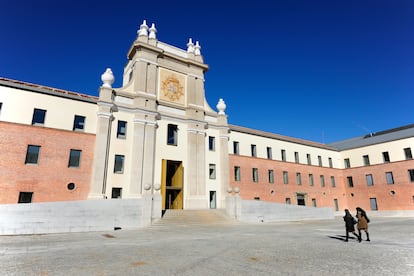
349,181
253,149
212,171
269,152
298,178
121,130
38,117
411,175
74,158
330,162
32,154
366,160
271,176
283,154
287,200
408,154
116,193
347,163
25,197
373,203
79,123
370,180
119,164
314,202
308,158
296,157
386,156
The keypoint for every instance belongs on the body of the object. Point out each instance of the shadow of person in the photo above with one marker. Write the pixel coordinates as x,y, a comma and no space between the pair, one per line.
340,237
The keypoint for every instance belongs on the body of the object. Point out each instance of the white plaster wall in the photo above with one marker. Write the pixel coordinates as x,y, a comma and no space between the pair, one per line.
74,216
18,106
395,150
246,140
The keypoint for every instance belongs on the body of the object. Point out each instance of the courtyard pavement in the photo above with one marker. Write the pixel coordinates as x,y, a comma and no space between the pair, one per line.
289,248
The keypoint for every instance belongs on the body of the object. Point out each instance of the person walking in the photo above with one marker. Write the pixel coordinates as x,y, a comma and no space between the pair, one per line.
363,221
350,221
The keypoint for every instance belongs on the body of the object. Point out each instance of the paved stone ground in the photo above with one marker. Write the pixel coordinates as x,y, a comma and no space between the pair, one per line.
296,248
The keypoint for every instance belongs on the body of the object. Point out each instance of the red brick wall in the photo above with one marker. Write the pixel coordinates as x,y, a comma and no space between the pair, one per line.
49,178
349,198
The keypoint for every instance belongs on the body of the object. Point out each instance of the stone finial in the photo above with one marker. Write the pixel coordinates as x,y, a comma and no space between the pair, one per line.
107,78
190,46
197,48
221,106
143,29
153,32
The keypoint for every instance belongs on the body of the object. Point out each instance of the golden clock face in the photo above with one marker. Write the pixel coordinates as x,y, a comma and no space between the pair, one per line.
171,87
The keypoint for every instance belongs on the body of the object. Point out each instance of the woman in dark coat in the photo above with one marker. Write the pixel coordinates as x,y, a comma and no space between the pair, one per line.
363,221
349,225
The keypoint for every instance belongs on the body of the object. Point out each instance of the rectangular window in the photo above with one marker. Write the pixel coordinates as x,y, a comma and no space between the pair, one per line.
38,117
336,204
236,173
285,177
271,176
333,184
298,178
236,148
411,175
314,202
373,203
269,152
347,163
172,135
211,143
32,154
296,157
78,123
386,157
119,164
283,154
311,180
349,181
408,154
320,161
308,158
370,180
287,200
121,130
1,105
116,193
25,197
389,177
330,162
366,160
212,171
253,149
322,181
74,158
255,174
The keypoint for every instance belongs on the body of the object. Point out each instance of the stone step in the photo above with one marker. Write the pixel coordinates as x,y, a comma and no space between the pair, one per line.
195,217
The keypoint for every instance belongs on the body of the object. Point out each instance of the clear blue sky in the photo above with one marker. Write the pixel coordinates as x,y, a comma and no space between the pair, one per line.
322,70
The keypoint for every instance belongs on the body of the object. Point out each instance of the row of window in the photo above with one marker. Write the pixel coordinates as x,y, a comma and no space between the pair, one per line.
285,177
33,153
39,116
389,178
385,156
269,153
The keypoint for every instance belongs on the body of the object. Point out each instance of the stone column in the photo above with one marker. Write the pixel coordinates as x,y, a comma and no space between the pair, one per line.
137,150
149,156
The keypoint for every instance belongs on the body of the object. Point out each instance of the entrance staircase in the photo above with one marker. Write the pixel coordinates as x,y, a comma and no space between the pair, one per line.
209,217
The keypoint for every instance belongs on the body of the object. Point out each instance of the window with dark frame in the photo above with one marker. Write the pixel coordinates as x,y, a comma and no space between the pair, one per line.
349,181
236,148
32,154
121,130
373,204
253,150
25,197
347,163
389,177
308,158
255,175
38,116
408,153
322,177
411,175
116,192
271,176
330,162
386,157
74,158
285,177
78,123
298,178
333,184
212,171
237,175
172,135
211,143
320,161
366,160
269,152
283,154
370,180
311,183
296,157
336,205
119,163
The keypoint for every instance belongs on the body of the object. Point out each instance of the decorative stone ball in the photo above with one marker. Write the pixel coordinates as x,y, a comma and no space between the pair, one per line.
157,186
229,190
147,187
237,190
